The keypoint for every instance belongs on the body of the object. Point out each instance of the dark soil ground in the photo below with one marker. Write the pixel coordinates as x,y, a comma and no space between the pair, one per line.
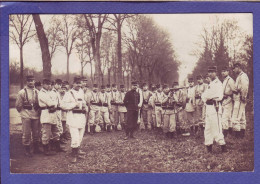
149,152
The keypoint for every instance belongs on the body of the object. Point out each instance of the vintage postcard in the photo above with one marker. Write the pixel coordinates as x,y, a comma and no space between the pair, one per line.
145,92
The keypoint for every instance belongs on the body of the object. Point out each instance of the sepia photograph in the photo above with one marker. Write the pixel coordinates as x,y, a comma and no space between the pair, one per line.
131,93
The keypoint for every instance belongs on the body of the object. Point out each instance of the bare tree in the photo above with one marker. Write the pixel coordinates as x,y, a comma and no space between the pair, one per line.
68,36
117,23
46,59
94,25
83,49
20,33
54,35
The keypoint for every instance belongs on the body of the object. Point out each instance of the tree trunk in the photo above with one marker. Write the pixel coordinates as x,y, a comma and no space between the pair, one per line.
68,67
119,51
108,75
21,68
91,73
46,59
81,69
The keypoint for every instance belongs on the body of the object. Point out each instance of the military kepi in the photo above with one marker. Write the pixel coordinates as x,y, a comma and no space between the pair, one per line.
212,69
29,77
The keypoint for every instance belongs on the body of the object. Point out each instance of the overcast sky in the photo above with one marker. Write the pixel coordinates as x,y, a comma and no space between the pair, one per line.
184,30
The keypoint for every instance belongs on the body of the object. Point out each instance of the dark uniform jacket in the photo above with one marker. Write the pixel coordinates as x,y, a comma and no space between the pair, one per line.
131,100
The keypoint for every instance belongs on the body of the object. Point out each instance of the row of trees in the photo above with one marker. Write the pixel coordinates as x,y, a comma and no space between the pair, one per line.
115,47
223,44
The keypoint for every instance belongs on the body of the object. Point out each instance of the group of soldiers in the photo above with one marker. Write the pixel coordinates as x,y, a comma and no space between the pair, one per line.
55,112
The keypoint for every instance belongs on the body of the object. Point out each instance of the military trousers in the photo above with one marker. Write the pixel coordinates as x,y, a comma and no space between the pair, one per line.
146,119
76,136
159,116
94,117
30,128
114,115
226,115
198,114
169,121
213,127
50,131
239,116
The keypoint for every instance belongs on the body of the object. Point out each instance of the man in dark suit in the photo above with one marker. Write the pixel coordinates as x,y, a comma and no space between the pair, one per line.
131,101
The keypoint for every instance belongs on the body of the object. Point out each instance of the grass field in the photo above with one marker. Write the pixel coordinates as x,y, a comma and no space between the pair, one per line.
150,152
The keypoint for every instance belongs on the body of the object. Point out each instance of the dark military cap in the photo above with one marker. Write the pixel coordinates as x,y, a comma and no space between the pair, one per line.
77,79
199,77
30,77
113,85
52,83
158,85
103,87
58,81
212,69
165,86
237,65
122,86
145,84
38,83
46,81
65,82
190,79
95,86
108,86
87,86
225,68
84,79
134,83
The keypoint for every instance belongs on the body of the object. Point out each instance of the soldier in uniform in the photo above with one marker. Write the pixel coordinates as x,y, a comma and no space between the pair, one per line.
139,90
199,89
179,97
94,112
114,117
64,136
66,83
151,106
121,107
227,101
190,107
75,105
105,108
158,97
145,113
240,97
212,97
27,105
38,85
48,117
131,101
169,115
55,96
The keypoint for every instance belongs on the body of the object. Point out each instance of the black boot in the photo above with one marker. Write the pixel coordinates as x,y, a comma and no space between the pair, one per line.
131,134
36,149
28,151
91,130
74,155
196,129
58,147
242,133
127,134
225,133
108,128
46,150
223,148
209,149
